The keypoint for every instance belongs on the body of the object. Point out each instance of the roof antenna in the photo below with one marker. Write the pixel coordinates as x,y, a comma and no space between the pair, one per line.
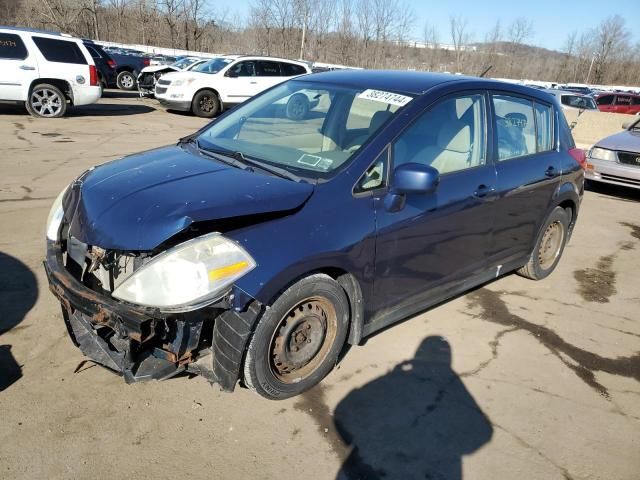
486,71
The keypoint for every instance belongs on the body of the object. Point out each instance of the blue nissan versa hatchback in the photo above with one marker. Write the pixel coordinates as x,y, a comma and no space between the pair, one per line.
254,249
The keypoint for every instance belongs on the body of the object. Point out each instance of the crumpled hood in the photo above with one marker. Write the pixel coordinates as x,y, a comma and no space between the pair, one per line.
625,140
157,68
140,201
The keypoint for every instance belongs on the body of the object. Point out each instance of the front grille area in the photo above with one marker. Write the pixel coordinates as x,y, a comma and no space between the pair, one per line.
164,82
615,178
147,80
161,90
629,158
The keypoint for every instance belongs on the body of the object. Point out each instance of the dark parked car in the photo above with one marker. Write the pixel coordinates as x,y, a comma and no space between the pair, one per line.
104,63
254,249
128,67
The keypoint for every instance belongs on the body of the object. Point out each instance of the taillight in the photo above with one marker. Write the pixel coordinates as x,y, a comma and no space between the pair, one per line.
93,76
111,64
146,61
579,156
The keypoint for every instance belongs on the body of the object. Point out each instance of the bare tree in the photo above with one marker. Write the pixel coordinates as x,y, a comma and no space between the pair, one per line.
459,38
610,40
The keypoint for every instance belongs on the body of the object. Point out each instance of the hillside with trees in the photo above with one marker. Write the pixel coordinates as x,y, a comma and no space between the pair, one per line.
363,33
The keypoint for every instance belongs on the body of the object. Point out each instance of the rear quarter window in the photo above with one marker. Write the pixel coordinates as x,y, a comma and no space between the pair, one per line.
635,101
290,69
61,51
544,127
515,126
12,47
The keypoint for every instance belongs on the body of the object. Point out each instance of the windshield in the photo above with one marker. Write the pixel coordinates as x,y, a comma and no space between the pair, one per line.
308,128
184,63
577,101
213,66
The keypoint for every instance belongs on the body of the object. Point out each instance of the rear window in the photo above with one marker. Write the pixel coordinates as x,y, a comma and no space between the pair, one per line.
93,52
12,47
290,69
605,100
578,101
61,51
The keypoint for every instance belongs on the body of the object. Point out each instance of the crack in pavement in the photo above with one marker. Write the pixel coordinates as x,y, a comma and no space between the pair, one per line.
494,344
494,309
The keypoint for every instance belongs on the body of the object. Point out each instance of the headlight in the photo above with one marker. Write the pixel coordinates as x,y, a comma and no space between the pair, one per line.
179,83
602,154
187,276
54,220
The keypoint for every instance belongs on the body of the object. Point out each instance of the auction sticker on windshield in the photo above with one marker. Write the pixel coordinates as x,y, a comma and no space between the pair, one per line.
385,97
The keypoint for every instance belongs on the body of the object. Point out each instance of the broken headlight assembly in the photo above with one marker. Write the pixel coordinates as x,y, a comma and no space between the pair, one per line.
188,276
54,220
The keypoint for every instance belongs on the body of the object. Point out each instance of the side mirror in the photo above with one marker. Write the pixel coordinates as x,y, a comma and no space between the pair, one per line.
415,178
410,178
626,125
231,74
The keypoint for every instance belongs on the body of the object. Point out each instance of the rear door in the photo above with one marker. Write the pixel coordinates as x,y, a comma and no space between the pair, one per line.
17,67
623,104
268,74
528,169
64,59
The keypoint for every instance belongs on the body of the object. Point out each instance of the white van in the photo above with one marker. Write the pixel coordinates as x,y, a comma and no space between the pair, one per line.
224,81
45,71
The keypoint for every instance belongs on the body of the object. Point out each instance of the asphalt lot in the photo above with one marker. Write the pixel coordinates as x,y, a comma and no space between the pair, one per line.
515,380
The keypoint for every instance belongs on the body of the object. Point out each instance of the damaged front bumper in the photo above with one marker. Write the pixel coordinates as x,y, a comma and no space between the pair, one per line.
142,343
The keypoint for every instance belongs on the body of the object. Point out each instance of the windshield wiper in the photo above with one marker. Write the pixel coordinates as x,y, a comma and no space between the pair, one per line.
240,160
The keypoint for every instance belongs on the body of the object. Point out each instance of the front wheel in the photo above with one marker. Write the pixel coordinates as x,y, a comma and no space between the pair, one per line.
126,81
297,341
47,101
549,246
297,107
205,104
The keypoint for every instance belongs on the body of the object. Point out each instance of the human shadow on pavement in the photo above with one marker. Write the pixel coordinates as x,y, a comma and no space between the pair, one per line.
18,294
416,422
10,371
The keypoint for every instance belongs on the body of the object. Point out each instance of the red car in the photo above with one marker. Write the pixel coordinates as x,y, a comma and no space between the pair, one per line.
619,103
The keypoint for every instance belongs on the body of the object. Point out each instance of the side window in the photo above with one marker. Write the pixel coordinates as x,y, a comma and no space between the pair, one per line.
12,47
516,129
368,114
267,69
244,69
61,51
376,175
93,52
544,125
623,100
605,100
449,137
635,100
291,69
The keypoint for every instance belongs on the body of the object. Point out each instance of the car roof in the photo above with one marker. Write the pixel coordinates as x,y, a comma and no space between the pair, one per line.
264,57
35,30
413,82
554,91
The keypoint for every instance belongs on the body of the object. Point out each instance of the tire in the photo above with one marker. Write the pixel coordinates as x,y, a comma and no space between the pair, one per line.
297,107
126,80
298,340
549,246
205,104
47,101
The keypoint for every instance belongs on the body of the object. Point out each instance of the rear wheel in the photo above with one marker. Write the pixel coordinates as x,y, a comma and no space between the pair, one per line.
297,107
549,247
126,81
297,341
205,104
47,101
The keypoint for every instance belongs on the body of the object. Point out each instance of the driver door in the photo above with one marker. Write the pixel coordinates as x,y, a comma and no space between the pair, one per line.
241,82
440,239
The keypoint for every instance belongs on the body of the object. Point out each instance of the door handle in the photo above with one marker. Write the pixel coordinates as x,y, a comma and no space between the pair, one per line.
27,67
551,172
483,190
253,83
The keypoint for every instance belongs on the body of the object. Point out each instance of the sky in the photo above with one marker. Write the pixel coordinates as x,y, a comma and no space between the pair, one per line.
553,20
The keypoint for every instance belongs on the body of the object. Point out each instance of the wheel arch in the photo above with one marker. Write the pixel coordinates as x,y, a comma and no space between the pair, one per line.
63,85
211,89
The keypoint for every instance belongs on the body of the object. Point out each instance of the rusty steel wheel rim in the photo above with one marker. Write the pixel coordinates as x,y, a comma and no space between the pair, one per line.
550,245
303,339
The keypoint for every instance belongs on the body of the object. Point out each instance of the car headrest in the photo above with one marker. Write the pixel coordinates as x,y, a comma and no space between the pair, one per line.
515,119
455,136
378,119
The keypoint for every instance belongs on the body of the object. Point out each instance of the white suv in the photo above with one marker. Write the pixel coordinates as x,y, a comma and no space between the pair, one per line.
45,71
224,81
